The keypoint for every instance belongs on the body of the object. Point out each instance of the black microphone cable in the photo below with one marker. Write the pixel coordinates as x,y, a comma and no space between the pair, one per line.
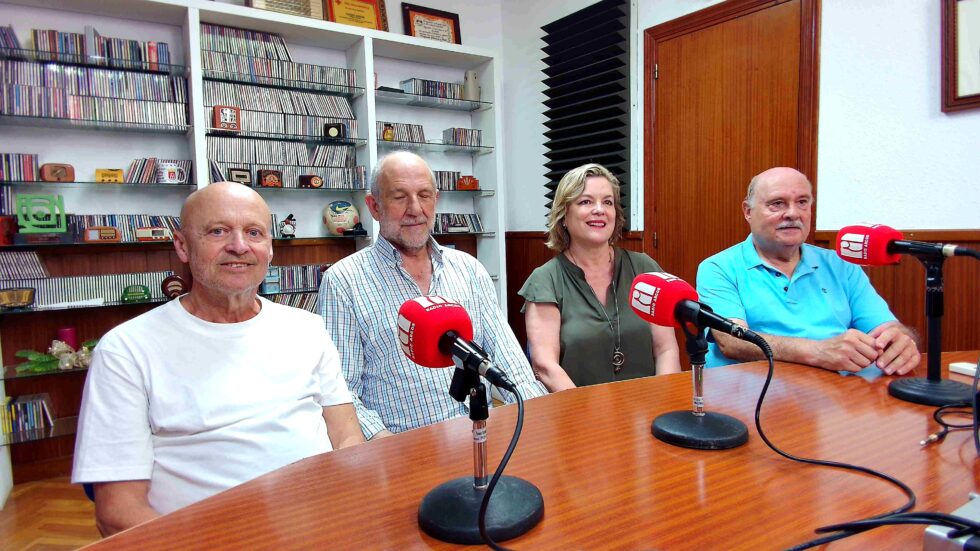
960,526
500,470
767,351
968,408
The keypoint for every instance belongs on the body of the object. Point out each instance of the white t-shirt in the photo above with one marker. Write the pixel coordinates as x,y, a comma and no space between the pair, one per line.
198,407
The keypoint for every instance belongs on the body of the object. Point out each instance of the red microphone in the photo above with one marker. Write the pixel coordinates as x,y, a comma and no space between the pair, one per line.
423,321
878,245
867,244
436,332
669,301
655,295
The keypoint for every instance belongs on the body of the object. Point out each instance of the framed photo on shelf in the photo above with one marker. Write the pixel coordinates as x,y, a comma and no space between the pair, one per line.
960,54
370,14
433,24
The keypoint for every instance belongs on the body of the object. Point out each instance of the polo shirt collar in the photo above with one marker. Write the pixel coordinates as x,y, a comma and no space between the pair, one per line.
808,261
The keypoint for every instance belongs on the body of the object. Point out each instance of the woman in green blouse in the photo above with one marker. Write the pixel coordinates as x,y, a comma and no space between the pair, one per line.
580,327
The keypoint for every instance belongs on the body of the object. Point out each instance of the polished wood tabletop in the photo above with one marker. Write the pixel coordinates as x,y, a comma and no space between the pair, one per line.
607,483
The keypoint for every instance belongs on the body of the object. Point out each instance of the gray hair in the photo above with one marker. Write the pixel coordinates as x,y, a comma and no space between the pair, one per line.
750,193
375,182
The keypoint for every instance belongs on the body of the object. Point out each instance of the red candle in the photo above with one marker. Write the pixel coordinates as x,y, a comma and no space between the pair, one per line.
68,336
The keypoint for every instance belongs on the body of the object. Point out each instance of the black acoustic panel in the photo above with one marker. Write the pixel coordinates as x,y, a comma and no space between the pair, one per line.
579,46
587,85
574,22
583,140
585,93
590,104
584,116
588,70
608,27
566,165
587,58
596,148
619,169
585,128
596,79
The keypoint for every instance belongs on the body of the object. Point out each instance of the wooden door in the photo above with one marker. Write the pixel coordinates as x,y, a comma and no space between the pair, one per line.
730,92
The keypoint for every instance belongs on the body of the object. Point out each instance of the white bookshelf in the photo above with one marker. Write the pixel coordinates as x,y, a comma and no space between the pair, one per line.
392,57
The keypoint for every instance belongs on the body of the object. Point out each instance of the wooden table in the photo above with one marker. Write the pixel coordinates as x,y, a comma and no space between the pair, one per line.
607,483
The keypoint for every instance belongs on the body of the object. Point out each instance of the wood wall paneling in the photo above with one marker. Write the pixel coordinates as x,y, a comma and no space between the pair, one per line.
465,243
525,251
734,93
902,286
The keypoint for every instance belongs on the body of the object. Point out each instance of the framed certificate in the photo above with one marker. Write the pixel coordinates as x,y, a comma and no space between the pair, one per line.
426,22
961,62
370,14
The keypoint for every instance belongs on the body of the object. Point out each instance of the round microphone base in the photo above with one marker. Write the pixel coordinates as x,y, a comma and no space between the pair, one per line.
712,431
920,390
450,511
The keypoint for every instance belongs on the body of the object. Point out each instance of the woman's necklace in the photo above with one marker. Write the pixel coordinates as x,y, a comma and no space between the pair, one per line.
618,358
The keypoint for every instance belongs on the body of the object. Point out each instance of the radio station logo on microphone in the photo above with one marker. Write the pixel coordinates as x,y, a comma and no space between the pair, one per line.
433,302
854,245
406,331
644,297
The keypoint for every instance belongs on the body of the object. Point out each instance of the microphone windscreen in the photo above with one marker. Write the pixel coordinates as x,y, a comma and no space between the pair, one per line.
867,244
655,295
423,321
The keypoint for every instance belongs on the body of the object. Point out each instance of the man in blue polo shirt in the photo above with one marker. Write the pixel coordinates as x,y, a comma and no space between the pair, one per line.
812,307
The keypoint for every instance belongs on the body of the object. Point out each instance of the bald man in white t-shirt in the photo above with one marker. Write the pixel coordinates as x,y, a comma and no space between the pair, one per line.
214,388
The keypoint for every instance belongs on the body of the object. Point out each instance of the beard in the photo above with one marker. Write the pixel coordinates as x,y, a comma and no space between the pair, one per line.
409,238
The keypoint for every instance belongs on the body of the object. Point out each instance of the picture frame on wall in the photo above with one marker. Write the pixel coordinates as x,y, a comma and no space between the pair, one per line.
960,55
423,22
369,14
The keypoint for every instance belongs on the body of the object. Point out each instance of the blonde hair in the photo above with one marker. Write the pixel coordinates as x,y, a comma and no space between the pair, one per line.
571,186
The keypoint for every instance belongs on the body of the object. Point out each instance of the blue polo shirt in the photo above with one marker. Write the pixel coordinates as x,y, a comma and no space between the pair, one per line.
825,297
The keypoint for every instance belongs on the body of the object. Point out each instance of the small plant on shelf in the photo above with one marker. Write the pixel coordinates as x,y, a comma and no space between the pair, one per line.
60,356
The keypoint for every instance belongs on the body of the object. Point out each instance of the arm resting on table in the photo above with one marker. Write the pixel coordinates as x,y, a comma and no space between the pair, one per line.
852,350
342,426
122,505
665,350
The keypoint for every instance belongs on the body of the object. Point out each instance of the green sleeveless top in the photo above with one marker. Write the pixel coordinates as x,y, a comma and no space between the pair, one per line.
587,341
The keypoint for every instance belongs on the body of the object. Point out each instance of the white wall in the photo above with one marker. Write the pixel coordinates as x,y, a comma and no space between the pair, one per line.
479,21
523,132
886,153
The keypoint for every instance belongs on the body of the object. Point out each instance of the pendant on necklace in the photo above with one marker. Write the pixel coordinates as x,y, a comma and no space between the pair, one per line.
618,360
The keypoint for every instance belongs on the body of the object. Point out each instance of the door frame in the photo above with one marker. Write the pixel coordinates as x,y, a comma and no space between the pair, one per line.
809,90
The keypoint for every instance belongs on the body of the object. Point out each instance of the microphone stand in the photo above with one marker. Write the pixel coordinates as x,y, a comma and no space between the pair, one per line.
450,511
699,429
933,390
